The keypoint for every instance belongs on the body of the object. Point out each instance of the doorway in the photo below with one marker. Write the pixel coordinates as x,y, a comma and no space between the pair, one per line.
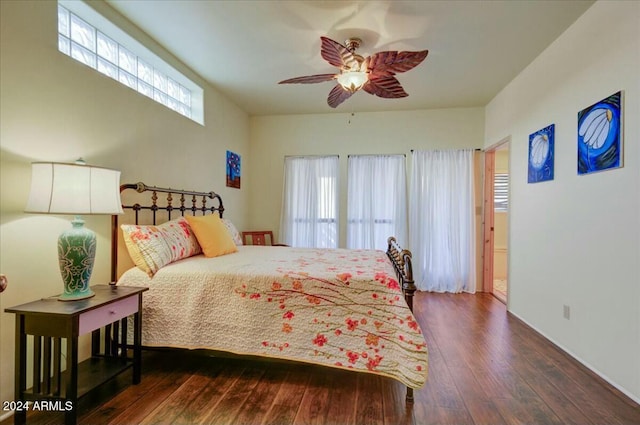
496,221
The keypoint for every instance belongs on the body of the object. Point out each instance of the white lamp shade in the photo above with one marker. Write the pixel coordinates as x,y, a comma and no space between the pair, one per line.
58,188
352,80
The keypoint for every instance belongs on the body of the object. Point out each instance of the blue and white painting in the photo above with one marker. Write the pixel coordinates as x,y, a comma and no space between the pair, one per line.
541,153
599,135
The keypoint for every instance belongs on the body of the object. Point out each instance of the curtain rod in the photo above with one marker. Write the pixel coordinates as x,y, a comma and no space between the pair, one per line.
475,149
311,156
374,154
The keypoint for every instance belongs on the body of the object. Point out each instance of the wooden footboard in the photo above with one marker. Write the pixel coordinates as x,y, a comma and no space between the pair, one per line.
401,260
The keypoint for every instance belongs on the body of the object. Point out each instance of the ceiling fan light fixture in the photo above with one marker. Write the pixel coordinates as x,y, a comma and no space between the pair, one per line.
374,74
353,80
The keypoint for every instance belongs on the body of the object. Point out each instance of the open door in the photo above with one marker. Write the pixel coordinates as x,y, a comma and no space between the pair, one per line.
487,275
496,219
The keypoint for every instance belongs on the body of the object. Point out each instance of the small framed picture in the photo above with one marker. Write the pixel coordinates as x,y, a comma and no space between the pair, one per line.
233,170
541,154
600,135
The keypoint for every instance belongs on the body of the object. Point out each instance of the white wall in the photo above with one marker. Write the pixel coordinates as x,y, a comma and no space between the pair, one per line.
56,109
274,137
576,240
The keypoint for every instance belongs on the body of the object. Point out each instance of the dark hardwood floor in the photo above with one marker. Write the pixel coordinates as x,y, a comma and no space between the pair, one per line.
486,367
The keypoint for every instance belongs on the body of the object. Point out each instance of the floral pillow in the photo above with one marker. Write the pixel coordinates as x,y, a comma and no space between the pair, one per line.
153,247
235,235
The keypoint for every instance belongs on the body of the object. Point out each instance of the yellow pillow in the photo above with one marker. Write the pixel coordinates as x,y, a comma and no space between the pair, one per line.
212,235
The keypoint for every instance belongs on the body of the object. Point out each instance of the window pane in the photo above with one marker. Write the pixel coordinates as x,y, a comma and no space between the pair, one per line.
145,72
127,60
159,81
160,97
107,68
310,210
64,45
107,48
83,33
173,89
128,80
376,200
83,55
185,96
183,109
63,21
172,103
145,89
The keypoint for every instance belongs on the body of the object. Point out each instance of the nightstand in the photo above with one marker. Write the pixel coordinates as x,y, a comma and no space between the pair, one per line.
58,379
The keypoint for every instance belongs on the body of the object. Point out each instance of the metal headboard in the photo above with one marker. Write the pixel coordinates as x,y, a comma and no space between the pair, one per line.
198,204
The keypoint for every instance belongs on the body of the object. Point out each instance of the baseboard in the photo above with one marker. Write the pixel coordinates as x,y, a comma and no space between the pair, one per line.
579,360
6,415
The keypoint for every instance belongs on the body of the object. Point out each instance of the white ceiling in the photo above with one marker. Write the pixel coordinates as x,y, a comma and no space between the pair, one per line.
243,48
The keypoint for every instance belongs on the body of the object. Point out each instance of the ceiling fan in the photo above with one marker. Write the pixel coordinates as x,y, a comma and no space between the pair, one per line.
373,74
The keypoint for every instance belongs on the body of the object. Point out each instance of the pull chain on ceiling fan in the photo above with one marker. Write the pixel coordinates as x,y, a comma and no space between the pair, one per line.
374,74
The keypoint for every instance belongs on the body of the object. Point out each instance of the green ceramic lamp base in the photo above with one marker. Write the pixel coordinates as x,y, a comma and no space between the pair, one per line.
76,297
76,255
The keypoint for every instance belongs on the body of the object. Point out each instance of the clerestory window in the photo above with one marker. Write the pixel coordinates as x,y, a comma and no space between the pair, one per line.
87,37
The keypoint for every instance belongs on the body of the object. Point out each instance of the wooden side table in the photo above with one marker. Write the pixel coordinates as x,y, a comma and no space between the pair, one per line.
52,324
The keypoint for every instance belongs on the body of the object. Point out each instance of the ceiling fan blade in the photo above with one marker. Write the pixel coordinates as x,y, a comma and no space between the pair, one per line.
309,79
337,95
337,54
393,61
384,86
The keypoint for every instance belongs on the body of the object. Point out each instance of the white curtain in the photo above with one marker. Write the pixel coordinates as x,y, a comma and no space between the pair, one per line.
442,221
376,200
310,202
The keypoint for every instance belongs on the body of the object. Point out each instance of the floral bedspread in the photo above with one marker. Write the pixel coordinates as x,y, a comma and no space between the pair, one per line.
333,307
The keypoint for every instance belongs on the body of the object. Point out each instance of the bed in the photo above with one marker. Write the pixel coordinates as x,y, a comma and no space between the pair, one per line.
340,308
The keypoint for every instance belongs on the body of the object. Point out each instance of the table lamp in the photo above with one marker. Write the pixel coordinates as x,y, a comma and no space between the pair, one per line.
60,188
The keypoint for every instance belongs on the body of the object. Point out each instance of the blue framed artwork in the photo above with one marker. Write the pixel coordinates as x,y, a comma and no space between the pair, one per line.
599,135
541,154
233,170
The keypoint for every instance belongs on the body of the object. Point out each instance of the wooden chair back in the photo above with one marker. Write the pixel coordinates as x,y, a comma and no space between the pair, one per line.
258,237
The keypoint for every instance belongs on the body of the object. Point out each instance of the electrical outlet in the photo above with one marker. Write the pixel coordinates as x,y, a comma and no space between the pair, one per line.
566,312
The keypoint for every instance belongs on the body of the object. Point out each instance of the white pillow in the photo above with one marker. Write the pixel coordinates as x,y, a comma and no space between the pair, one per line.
235,235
